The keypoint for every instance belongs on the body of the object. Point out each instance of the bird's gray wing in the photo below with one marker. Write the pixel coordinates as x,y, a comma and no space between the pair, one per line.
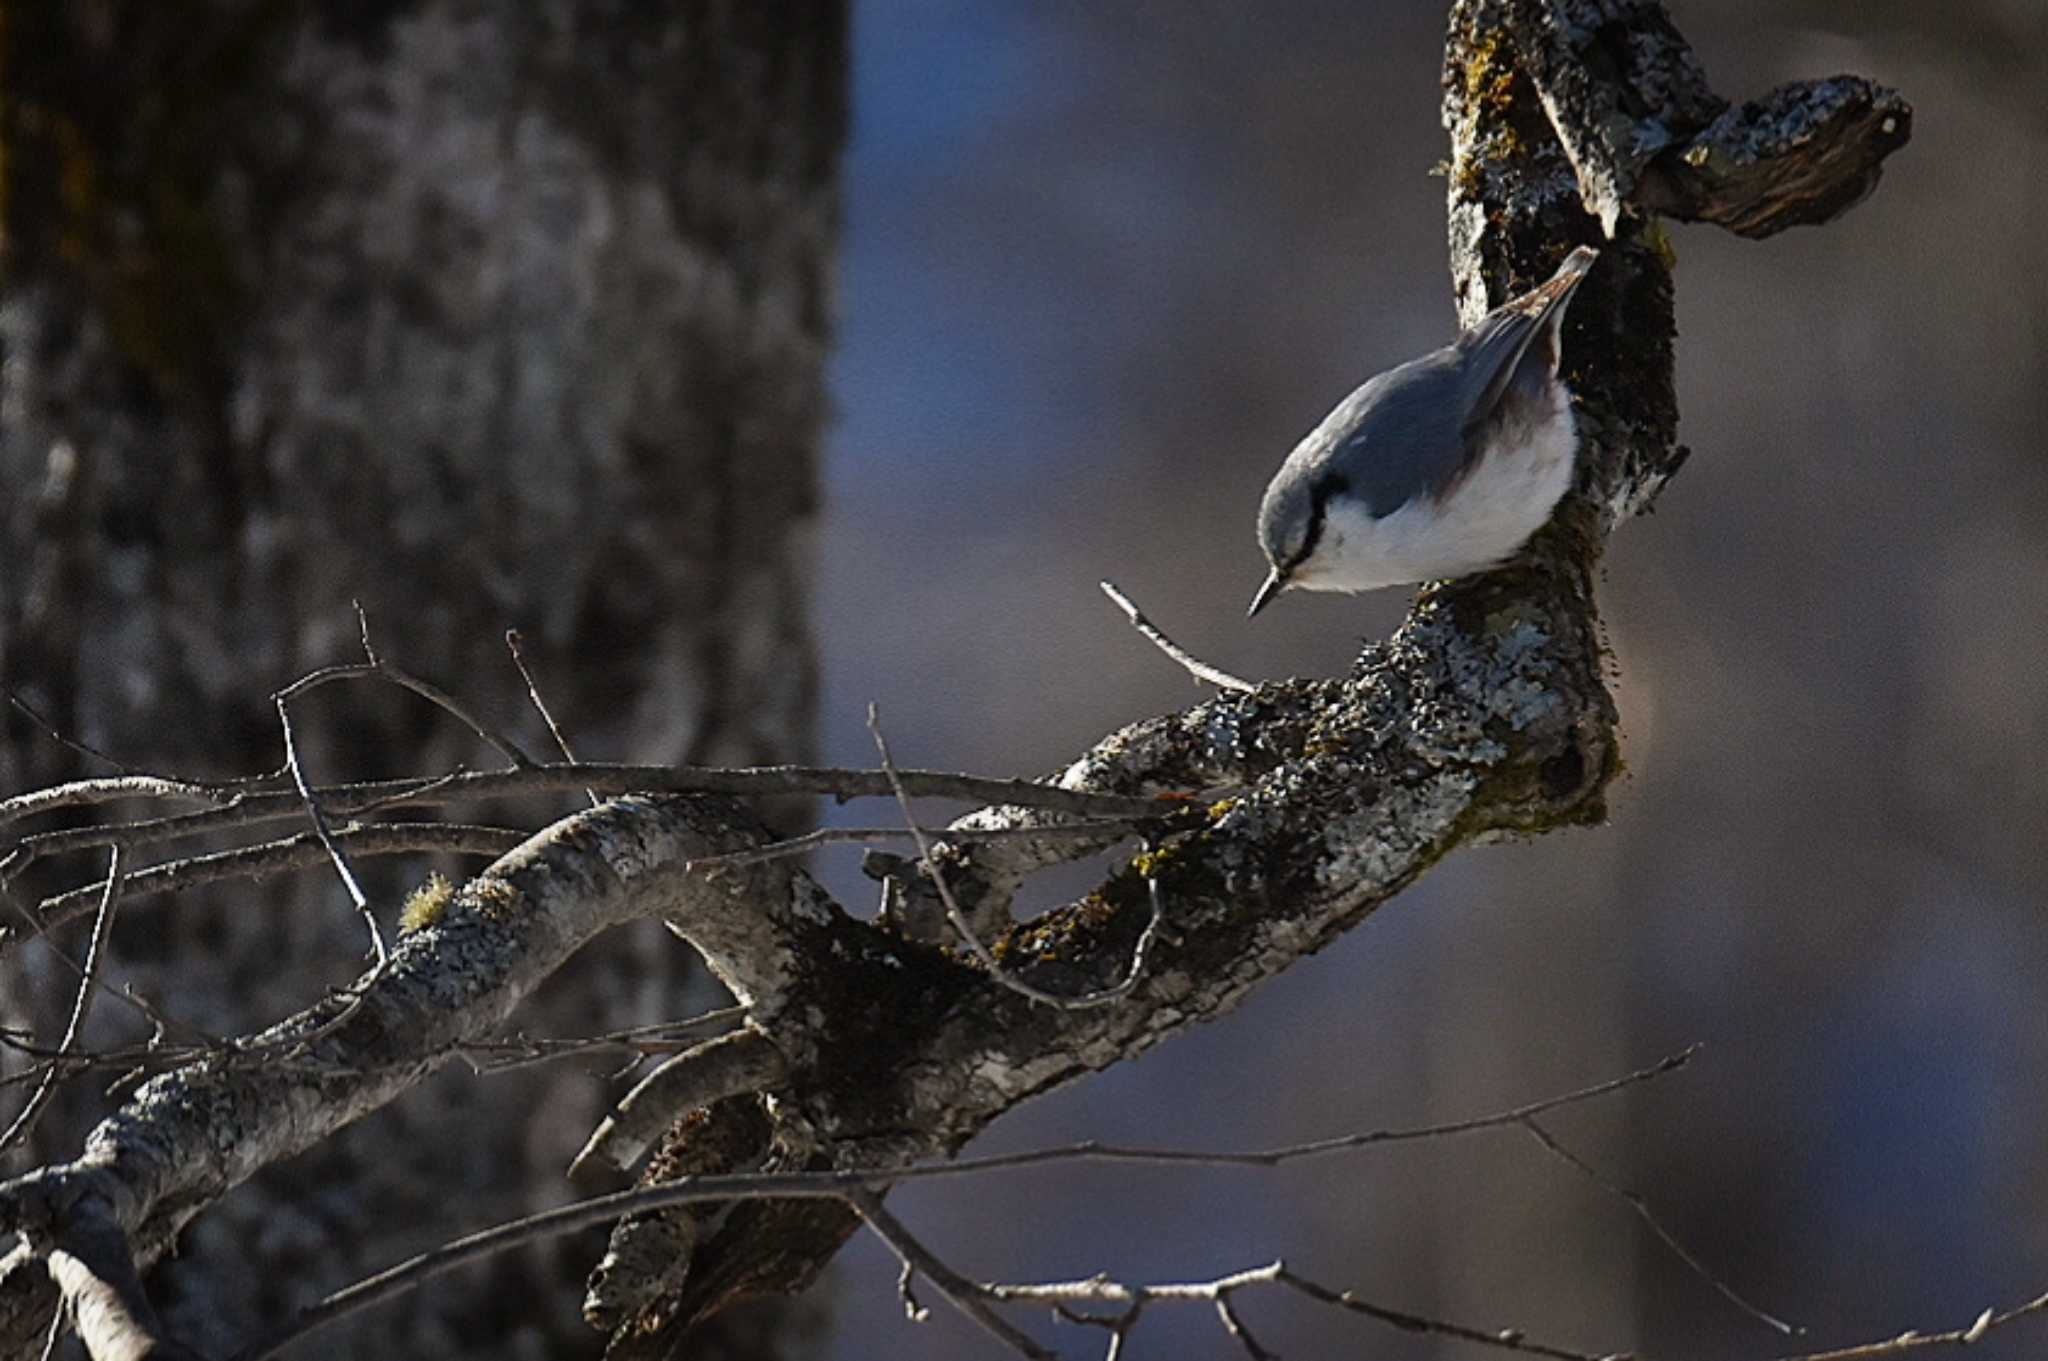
1418,428
1394,438
1515,347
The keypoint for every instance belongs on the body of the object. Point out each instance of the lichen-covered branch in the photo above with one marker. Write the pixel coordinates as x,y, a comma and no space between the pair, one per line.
738,1062
186,1138
1804,153
1627,101
1485,714
1306,805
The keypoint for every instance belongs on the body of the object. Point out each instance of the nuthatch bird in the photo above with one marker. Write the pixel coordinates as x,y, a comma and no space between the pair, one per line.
1441,467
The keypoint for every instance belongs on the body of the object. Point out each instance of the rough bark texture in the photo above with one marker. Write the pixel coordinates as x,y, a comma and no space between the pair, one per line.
487,316
1485,715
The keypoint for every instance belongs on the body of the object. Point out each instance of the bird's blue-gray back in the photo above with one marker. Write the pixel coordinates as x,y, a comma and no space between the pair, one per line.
1405,430
1418,429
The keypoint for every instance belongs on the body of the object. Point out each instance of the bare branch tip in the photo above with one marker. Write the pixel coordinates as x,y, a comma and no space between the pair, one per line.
363,631
906,1290
1186,660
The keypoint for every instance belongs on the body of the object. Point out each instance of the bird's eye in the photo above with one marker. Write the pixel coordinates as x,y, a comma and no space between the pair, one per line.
1326,488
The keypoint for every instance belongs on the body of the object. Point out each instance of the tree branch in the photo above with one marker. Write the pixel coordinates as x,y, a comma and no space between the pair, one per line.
862,1189
187,1137
1802,154
278,857
89,1264
742,1061
88,989
241,808
1485,715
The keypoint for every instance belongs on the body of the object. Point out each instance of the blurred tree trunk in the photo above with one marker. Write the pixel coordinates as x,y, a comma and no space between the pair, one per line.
488,315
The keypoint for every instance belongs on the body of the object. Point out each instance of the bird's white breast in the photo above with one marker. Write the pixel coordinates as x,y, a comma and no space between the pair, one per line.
1480,523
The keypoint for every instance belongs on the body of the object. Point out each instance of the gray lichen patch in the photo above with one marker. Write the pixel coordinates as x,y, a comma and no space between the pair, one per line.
1380,847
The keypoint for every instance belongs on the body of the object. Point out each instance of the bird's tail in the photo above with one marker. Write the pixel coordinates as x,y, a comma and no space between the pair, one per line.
1545,298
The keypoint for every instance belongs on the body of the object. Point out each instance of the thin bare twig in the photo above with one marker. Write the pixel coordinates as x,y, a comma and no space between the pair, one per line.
1063,1295
81,1006
1091,1151
131,783
1911,1341
375,667
248,809
320,829
906,1291
1188,661
159,1022
1504,1339
107,789
129,836
1235,1326
1098,1289
57,735
147,832
485,1056
1637,1203
836,836
659,1037
970,1298
965,930
290,853
842,1186
512,645
150,1057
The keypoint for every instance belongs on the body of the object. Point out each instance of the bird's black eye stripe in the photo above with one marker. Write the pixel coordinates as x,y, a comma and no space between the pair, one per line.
1327,486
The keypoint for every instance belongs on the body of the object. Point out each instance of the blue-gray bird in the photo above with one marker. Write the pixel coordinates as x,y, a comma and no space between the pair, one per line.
1443,466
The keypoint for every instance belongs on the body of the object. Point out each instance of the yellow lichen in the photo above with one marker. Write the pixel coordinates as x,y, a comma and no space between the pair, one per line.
1147,864
1489,73
425,905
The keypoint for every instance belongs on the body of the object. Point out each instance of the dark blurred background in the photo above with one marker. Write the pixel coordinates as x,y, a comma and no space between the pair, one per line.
1103,265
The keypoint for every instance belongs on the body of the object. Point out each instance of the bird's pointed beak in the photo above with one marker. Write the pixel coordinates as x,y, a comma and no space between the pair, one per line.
1276,582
